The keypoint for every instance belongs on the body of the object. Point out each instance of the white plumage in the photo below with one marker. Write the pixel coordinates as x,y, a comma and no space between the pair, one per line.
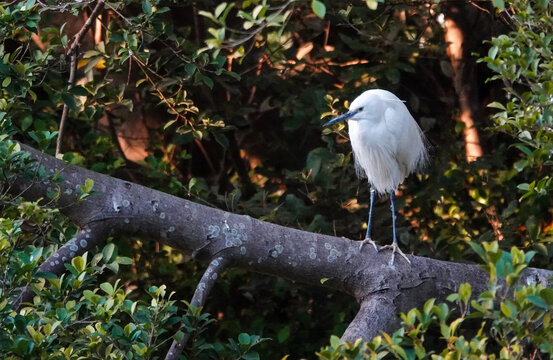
387,143
387,146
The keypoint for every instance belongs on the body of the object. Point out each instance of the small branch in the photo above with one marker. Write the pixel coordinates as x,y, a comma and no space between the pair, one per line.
76,41
253,33
84,240
202,291
72,52
65,111
143,67
38,42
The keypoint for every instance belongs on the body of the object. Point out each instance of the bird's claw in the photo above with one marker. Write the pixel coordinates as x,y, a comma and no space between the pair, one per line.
370,241
395,248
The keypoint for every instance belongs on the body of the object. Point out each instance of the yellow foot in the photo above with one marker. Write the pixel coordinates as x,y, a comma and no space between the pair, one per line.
367,240
395,249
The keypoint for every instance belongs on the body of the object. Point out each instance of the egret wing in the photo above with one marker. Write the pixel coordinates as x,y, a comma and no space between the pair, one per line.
409,143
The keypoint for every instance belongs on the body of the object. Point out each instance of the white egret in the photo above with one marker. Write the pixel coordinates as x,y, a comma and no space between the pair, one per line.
387,146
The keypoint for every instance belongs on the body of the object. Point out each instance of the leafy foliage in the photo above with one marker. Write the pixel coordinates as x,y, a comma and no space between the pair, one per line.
513,321
76,315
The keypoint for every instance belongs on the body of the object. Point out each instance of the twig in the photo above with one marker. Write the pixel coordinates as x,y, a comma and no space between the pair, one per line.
38,42
76,41
202,290
253,33
72,52
65,111
143,67
478,6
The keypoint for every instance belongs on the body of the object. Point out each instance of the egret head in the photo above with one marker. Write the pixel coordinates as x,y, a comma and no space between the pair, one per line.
368,105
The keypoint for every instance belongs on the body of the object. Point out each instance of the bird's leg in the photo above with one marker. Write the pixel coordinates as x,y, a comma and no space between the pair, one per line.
369,223
395,248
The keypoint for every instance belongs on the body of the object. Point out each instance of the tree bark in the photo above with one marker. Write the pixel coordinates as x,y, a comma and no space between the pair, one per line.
206,234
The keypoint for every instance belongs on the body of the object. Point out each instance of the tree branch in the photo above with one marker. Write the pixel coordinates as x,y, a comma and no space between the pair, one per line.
78,38
72,52
263,247
200,295
375,314
63,120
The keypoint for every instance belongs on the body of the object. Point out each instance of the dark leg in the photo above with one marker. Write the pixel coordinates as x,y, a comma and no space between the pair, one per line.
369,223
393,208
395,248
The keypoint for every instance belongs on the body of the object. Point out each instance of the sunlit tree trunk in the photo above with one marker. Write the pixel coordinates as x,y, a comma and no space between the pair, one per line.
455,38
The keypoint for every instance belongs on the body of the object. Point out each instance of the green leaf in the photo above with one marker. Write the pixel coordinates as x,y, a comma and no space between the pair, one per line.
91,53
547,295
372,4
190,68
178,336
500,4
492,53
79,91
427,308
107,287
478,249
219,9
32,94
78,263
536,300
335,341
525,135
69,100
319,8
123,260
88,185
283,334
108,252
244,338
506,310
496,105
465,292
147,7
26,122
251,355
221,139
7,81
206,80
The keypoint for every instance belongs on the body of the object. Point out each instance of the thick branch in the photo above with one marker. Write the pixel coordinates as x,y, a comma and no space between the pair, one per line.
263,247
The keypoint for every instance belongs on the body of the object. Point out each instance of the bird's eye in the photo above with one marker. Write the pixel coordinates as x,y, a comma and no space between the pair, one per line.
360,109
